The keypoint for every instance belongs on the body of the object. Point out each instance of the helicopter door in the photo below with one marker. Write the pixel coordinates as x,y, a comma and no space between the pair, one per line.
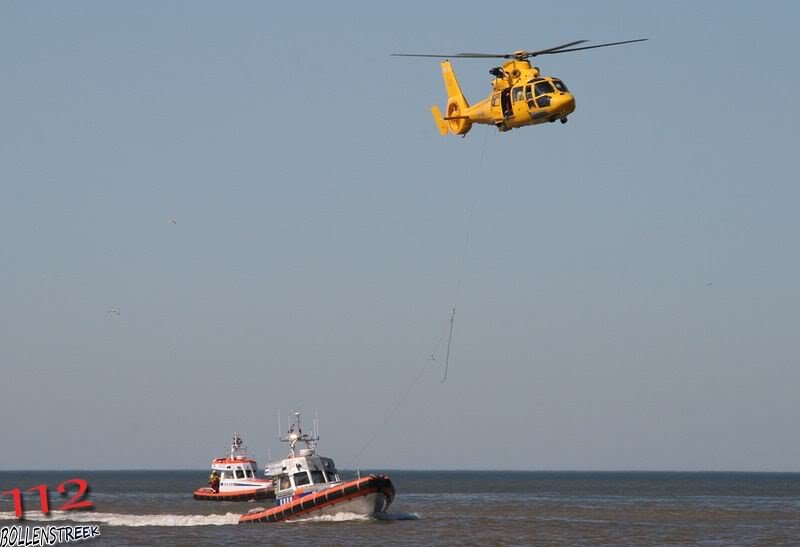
505,100
519,105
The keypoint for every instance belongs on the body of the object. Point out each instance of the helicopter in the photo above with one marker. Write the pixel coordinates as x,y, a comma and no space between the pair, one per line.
520,94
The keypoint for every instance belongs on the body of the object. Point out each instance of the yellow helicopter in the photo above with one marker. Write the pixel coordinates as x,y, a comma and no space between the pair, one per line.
520,95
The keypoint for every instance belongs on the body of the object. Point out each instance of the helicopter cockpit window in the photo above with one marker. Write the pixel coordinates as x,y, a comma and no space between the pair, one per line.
543,87
517,93
529,96
560,86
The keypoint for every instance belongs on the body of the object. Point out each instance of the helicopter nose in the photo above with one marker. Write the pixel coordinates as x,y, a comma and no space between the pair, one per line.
564,103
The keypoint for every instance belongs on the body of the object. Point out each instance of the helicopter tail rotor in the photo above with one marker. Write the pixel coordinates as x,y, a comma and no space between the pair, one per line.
440,123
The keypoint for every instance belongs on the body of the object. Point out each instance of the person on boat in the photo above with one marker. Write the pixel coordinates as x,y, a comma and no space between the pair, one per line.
213,480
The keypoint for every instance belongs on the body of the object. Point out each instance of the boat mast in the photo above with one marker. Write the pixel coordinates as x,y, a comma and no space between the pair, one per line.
295,435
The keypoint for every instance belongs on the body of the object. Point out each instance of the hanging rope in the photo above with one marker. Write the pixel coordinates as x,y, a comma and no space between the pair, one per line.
399,403
446,331
475,185
449,340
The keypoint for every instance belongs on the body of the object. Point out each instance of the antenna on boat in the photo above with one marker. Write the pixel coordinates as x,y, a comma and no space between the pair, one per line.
295,434
238,449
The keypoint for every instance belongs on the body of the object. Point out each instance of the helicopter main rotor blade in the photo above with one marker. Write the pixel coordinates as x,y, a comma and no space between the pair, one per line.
593,47
455,55
522,54
552,49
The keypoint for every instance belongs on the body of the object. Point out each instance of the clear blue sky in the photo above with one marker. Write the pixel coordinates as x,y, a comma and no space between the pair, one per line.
629,296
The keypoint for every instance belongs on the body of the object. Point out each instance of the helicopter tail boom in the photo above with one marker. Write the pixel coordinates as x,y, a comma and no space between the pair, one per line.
451,84
455,119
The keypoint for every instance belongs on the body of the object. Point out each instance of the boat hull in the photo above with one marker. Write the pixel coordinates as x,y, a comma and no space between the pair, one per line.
368,496
207,494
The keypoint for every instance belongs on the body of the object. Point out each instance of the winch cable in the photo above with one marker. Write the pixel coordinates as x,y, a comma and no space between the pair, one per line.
475,185
398,404
448,331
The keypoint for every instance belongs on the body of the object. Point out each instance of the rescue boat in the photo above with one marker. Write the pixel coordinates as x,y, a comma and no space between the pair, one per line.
238,478
307,484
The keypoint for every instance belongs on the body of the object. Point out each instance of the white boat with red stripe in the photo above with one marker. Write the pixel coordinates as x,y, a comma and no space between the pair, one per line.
236,478
307,484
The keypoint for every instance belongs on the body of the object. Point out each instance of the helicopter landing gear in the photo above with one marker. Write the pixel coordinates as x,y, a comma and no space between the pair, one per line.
564,119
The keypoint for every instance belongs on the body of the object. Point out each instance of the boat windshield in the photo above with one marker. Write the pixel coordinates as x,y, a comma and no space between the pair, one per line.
332,477
300,479
283,483
317,477
249,473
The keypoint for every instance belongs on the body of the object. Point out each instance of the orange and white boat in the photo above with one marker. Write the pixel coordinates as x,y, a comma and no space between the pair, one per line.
307,484
238,478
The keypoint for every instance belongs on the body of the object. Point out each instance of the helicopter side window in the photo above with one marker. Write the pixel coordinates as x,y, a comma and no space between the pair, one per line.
495,99
543,87
517,93
560,86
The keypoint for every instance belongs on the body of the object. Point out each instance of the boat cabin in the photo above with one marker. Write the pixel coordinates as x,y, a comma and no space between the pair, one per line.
303,471
235,468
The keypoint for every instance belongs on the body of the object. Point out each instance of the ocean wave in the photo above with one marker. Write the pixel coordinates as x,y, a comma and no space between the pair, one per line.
121,519
397,516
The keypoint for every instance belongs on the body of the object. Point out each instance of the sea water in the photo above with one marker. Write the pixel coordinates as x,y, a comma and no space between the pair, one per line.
443,508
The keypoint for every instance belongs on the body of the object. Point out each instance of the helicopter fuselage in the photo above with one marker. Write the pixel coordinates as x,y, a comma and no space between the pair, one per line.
520,97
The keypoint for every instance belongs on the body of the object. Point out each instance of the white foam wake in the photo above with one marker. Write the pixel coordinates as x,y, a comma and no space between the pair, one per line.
344,517
120,519
338,517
